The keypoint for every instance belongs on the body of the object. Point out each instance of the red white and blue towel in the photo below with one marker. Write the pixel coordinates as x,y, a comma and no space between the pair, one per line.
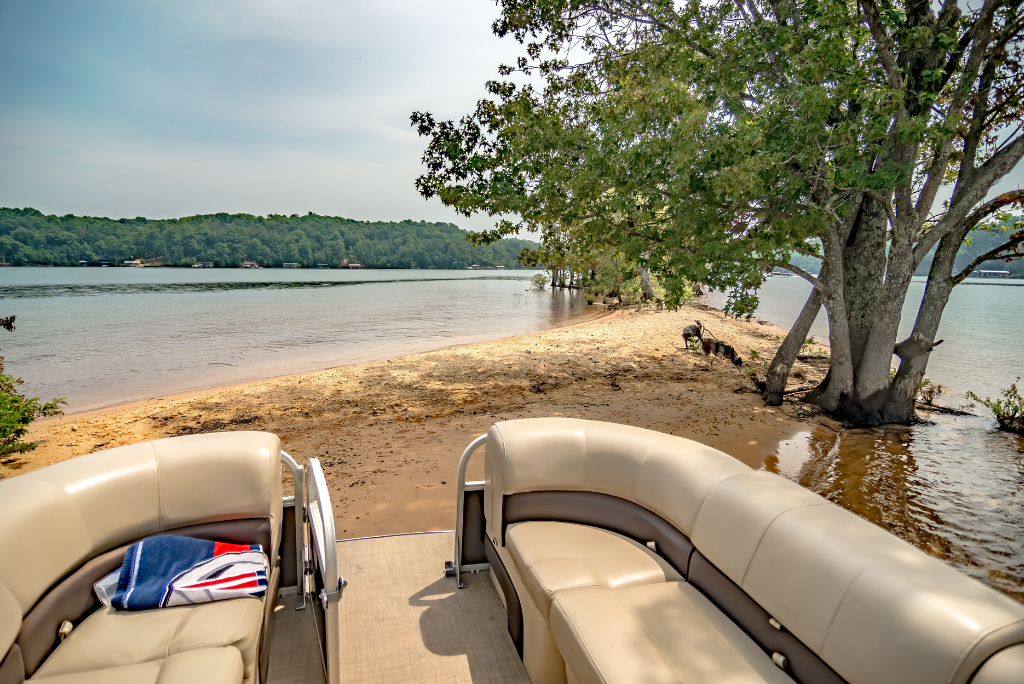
173,571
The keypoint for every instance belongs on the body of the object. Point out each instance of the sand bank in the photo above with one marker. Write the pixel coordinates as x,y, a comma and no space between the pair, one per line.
389,434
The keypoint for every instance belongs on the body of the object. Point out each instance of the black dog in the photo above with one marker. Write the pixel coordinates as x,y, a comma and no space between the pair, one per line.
695,333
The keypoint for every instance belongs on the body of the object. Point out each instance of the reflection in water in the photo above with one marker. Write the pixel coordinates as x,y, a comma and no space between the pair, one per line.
954,490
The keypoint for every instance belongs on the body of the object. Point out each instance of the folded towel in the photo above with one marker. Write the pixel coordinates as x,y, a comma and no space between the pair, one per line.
172,571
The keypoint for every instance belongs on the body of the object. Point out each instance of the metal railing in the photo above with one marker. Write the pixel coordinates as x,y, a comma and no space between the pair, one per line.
325,585
460,514
298,477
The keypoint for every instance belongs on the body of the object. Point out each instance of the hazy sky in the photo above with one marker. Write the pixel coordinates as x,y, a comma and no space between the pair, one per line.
167,109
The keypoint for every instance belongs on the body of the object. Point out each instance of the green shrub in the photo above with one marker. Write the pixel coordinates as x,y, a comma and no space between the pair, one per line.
16,412
539,281
1008,411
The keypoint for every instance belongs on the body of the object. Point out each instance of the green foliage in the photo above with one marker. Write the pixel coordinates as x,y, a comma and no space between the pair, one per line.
29,237
539,281
980,241
17,412
1008,411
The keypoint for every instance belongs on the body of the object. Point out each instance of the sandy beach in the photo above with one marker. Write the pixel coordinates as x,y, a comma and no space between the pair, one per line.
389,434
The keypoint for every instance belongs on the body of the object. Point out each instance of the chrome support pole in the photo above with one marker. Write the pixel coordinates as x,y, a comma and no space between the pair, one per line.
460,504
298,478
323,542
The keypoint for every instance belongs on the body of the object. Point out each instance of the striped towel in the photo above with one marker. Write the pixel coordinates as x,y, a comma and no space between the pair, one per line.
173,571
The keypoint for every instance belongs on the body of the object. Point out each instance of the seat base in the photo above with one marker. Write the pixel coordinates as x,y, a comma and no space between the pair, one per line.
666,633
112,640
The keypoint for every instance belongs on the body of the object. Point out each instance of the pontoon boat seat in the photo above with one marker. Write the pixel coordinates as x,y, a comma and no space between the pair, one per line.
626,555
67,525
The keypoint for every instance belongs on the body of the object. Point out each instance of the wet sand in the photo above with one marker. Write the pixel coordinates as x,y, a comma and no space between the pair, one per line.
389,434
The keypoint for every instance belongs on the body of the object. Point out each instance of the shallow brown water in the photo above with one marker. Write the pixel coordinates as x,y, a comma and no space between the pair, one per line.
954,488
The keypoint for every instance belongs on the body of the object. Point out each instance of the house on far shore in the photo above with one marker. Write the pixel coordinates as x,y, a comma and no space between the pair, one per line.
345,263
990,274
250,264
323,265
203,264
474,267
134,263
289,265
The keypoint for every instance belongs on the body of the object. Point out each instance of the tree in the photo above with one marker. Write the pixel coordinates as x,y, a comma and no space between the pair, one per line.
710,141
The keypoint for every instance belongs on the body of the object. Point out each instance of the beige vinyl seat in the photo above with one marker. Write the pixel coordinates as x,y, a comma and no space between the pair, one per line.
67,525
667,633
751,578
110,639
554,557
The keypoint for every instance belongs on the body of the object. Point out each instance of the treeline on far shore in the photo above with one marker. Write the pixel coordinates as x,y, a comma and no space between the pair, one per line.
29,237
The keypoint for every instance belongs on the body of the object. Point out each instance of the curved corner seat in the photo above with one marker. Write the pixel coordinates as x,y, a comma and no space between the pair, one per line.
555,557
755,579
67,525
108,639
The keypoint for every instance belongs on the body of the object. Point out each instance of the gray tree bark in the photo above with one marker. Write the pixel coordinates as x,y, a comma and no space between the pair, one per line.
782,363
645,284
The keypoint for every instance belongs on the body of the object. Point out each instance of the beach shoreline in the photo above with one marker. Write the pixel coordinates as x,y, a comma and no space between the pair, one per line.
192,392
389,433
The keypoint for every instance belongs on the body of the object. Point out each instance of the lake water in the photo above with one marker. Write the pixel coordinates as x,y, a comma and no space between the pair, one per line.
951,485
103,336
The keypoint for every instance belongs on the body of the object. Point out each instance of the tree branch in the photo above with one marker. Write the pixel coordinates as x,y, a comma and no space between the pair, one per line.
816,282
885,53
1014,243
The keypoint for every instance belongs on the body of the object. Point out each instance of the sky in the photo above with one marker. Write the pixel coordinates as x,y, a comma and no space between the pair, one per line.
125,108
160,109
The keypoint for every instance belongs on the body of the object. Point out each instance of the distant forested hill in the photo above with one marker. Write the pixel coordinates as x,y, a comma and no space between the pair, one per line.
29,237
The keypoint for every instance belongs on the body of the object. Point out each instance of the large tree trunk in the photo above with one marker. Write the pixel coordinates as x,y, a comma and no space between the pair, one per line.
645,284
778,371
915,351
836,396
864,273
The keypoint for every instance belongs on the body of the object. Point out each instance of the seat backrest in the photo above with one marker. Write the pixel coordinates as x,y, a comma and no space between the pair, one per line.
667,475
871,606
57,517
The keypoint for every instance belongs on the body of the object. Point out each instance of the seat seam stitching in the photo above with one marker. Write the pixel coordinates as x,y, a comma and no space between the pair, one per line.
643,628
81,514
586,648
846,592
636,473
765,533
970,649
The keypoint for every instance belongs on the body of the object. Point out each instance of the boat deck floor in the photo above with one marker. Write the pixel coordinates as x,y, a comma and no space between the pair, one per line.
402,620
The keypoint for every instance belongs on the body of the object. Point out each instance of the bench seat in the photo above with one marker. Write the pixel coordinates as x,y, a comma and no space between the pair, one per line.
665,633
554,557
780,585
207,665
111,639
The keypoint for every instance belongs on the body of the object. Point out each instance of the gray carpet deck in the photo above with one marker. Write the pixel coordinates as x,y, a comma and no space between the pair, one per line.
402,620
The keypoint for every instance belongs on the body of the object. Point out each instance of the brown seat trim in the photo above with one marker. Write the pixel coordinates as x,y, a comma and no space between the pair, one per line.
634,521
600,510
513,608
12,668
71,598
803,664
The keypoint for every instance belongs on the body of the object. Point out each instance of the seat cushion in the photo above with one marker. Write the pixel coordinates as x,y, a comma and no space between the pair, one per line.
110,639
554,556
665,633
206,665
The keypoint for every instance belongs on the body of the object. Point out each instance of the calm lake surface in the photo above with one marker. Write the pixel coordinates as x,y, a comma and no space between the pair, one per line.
951,485
103,336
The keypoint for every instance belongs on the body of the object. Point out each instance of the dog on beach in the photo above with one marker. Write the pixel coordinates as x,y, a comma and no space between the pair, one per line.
695,333
719,348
